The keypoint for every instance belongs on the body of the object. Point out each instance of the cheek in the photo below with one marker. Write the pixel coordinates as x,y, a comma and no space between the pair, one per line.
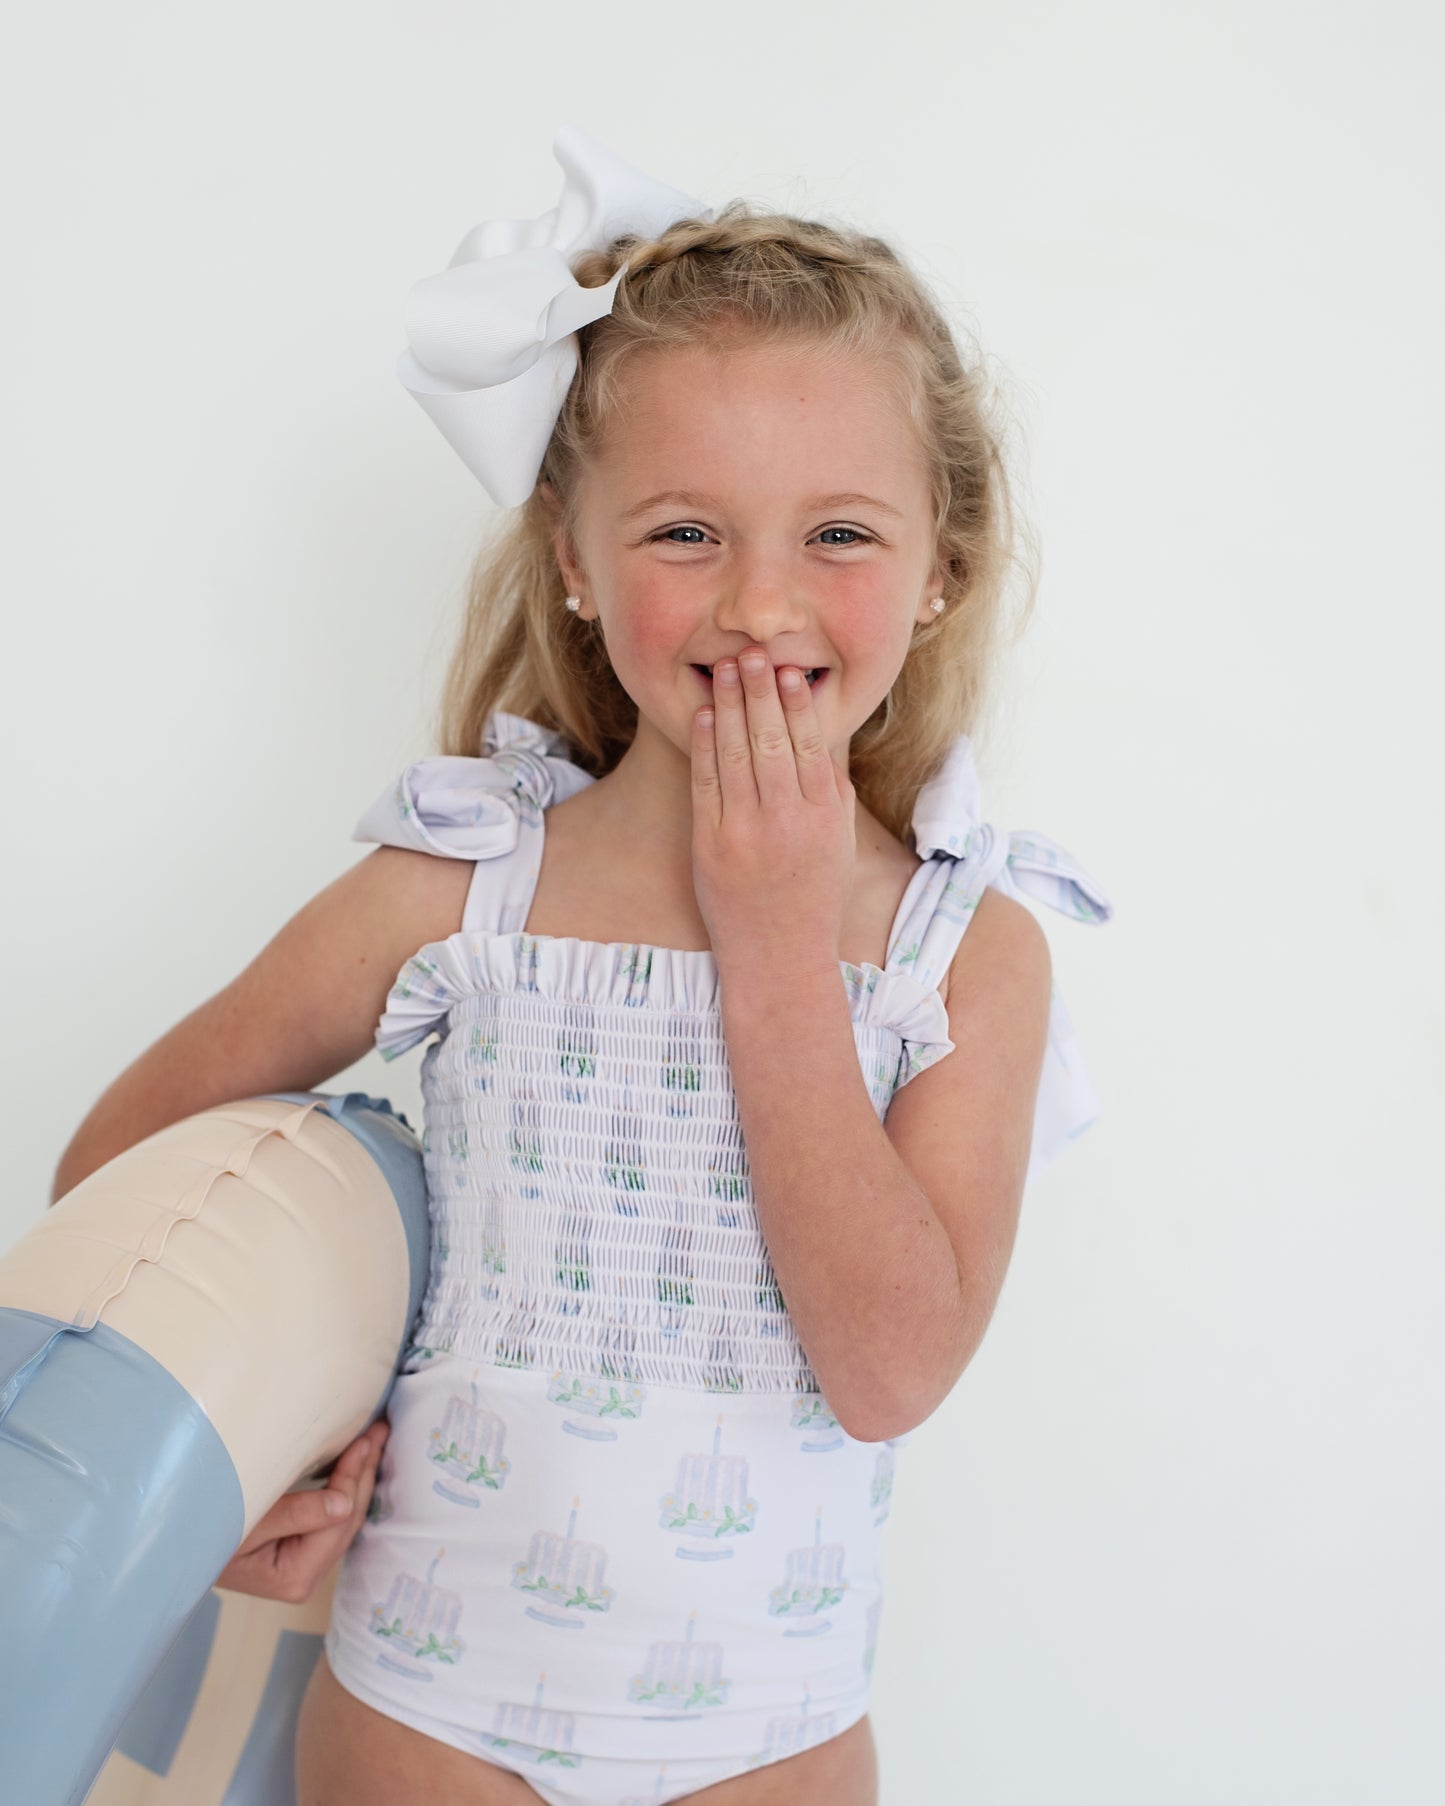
656,617
858,611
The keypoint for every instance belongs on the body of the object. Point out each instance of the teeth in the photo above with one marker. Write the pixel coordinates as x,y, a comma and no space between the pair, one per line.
810,676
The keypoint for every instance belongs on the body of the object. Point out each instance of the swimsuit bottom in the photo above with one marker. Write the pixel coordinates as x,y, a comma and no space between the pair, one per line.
620,1591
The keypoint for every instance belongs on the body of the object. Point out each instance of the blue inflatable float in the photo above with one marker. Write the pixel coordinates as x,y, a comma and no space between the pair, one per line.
204,1323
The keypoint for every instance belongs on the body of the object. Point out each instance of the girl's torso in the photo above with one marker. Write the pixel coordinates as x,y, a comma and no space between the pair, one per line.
616,1519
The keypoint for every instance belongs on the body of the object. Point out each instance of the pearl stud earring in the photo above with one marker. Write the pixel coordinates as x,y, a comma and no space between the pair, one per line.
937,605
574,603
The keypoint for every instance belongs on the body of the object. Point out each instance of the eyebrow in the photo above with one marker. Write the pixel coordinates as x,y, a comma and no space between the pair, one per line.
691,499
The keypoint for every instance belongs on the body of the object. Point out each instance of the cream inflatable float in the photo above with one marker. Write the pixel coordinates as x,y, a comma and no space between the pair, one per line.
201,1325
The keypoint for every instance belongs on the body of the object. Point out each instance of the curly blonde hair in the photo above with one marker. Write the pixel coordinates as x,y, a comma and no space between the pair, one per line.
770,278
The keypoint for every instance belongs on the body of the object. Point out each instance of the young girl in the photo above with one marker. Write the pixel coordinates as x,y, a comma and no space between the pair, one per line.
745,1043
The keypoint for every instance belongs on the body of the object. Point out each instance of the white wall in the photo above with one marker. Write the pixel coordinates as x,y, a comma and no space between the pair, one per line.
1175,1537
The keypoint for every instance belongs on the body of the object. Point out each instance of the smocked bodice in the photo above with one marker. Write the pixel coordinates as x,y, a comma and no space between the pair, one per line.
588,1178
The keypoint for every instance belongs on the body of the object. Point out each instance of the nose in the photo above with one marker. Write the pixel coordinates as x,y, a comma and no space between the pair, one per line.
761,601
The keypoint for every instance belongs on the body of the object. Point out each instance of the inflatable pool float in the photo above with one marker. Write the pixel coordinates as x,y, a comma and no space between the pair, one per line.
202,1324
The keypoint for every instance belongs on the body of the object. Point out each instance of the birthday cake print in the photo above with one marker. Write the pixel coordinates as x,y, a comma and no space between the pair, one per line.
595,1405
524,1140
772,1311
791,1736
482,1047
682,1677
468,1449
680,1078
623,1161
577,1052
486,1240
809,1413
572,1262
533,1732
709,1503
728,1177
418,1625
880,1492
564,1577
813,1582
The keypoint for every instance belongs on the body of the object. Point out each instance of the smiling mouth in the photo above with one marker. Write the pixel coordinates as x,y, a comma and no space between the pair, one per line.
813,677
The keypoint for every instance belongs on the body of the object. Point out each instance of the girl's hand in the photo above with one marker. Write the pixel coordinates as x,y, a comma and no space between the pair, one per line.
299,1540
772,820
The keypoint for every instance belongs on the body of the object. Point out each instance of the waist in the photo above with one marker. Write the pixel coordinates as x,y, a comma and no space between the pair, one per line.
651,1550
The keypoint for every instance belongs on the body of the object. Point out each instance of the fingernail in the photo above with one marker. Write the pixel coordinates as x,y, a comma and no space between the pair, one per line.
337,1504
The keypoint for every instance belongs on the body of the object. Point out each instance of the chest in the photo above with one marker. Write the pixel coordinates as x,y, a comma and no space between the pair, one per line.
584,889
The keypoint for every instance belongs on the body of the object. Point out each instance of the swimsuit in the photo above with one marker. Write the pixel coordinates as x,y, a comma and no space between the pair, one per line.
619,1544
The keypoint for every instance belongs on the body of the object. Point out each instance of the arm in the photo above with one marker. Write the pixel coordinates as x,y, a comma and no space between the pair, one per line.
304,1009
890,1241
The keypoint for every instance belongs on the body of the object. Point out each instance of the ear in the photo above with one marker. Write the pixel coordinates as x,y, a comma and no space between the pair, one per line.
562,547
939,583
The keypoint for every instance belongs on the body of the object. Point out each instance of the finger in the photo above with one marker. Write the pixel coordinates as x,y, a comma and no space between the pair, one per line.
736,784
297,1514
775,769
706,796
816,767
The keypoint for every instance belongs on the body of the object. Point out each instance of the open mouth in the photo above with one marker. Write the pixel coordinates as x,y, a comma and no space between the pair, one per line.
813,677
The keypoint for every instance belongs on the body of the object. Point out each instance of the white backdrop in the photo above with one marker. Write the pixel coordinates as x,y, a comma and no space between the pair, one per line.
1175,1536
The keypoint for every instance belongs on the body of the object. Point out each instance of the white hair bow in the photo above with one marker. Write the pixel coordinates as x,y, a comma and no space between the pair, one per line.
492,345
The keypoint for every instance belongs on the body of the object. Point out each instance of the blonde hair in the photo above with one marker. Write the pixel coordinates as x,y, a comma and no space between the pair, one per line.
770,278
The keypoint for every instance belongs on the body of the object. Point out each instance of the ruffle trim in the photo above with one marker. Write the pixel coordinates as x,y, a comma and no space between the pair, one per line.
630,976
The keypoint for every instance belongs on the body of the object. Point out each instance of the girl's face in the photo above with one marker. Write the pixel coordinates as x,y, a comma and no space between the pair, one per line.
755,496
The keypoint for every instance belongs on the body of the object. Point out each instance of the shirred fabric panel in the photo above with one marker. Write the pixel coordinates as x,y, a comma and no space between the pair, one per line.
592,1204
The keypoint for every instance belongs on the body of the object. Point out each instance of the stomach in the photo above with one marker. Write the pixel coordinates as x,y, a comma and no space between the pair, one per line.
619,1568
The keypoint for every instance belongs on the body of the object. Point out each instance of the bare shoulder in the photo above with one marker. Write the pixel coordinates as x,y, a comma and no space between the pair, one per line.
319,985
305,1008
1005,939
981,1096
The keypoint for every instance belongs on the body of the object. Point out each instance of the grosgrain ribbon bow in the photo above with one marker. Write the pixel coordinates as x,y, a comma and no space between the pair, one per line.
492,340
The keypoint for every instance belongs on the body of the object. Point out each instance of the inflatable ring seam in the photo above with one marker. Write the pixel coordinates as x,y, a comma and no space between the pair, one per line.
152,1245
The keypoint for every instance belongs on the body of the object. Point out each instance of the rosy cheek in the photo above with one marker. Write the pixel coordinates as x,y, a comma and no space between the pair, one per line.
658,615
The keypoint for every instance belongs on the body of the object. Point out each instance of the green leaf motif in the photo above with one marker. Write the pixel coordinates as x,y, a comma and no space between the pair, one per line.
625,1176
733,1523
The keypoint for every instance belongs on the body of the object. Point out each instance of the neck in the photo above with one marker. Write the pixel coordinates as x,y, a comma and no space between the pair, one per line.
648,793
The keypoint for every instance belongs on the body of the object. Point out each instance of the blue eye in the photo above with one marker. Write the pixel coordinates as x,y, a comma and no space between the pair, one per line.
858,538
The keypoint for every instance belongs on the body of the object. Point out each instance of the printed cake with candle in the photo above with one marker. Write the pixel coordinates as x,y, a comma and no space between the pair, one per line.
791,1736
813,1581
533,1732
468,1448
709,1502
418,1623
682,1676
598,1403
564,1575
